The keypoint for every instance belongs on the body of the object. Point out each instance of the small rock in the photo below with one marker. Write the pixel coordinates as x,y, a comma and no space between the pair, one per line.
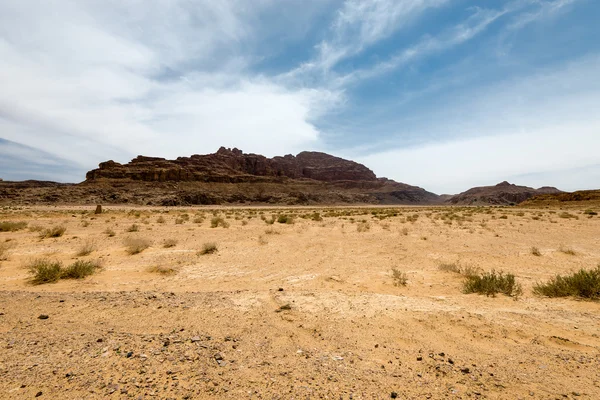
129,354
419,358
394,395
38,394
218,357
465,370
450,361
284,307
43,316
98,209
196,339
100,340
280,289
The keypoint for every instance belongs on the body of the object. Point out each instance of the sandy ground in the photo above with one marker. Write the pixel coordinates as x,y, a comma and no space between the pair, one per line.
214,328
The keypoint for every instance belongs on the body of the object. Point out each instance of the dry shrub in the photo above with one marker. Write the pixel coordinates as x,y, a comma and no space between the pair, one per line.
400,278
363,227
5,248
566,250
110,232
80,269
54,232
161,220
12,226
170,243
43,271
535,251
162,270
86,249
136,245
208,248
450,267
218,221
133,228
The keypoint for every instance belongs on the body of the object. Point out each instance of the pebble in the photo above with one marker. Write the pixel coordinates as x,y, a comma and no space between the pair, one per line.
394,395
38,394
43,316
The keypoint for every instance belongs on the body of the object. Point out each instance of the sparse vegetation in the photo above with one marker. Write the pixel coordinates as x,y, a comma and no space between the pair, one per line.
162,270
161,220
109,232
86,249
80,269
12,226
492,283
450,267
218,221
133,228
535,251
170,243
584,284
285,219
400,278
136,245
566,250
5,248
43,271
54,232
363,227
208,248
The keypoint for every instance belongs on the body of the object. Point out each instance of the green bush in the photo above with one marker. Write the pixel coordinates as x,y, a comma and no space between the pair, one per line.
584,283
80,269
12,226
492,283
44,271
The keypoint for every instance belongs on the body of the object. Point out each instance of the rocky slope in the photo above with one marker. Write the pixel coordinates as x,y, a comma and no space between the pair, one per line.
227,176
578,199
503,193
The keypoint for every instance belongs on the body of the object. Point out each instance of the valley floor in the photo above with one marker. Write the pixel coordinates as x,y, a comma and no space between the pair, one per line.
299,310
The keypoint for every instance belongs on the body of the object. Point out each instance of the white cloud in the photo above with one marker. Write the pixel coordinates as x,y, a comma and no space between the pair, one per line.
82,82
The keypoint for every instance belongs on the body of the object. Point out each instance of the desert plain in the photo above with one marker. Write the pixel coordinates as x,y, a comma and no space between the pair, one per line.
296,303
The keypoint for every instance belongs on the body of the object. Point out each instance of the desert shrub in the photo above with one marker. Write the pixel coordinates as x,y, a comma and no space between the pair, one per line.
208,248
590,212
198,220
161,220
4,250
136,245
271,231
87,248
262,241
80,269
56,231
404,231
285,219
133,228
179,221
244,222
316,217
269,221
162,269
450,267
43,271
566,250
218,221
535,251
566,215
399,277
170,243
12,226
109,232
584,283
492,283
503,217
85,224
363,227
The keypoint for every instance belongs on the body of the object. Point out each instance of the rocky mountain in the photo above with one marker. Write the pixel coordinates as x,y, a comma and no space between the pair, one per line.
581,198
227,176
503,193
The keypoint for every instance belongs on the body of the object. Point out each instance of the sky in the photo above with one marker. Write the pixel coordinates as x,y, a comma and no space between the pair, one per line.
441,94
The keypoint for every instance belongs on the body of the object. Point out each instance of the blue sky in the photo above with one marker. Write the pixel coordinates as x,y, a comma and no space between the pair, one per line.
441,94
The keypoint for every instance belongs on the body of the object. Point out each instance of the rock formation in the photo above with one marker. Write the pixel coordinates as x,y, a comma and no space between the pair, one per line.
503,193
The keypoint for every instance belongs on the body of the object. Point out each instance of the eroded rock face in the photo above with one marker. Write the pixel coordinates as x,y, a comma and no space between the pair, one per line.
232,165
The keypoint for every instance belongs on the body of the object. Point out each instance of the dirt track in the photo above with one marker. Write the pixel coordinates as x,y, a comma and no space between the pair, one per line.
215,328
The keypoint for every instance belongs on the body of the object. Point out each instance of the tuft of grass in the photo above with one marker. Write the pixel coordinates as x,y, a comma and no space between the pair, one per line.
136,245
5,248
272,231
285,219
161,220
535,251
262,241
400,278
363,227
316,217
54,232
80,269
566,250
208,248
43,271
170,243
450,267
492,283
110,232
86,249
12,226
133,228
583,283
218,221
162,270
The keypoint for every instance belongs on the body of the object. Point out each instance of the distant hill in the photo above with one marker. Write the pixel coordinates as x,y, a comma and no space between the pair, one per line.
582,198
227,176
503,193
